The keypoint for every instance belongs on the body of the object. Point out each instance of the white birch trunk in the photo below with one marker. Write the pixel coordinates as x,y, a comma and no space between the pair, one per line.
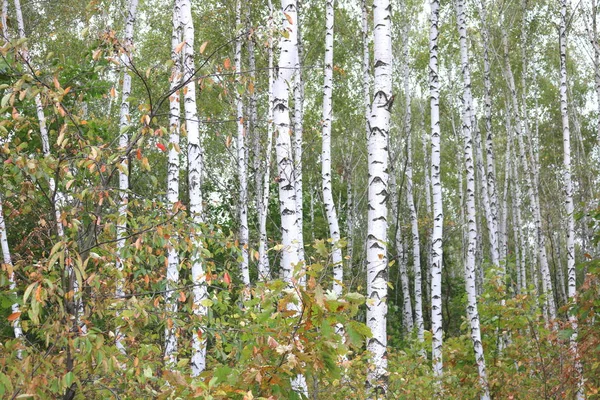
124,125
298,134
284,149
366,70
330,209
11,275
569,206
173,190
377,147
407,309
489,143
410,198
263,259
467,129
290,258
436,191
195,167
241,152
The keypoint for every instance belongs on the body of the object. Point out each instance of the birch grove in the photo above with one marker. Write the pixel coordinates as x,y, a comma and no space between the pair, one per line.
230,206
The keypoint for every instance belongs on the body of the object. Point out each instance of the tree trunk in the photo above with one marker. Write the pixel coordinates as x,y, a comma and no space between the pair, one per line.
298,134
195,160
330,209
124,125
11,275
173,165
436,186
569,206
467,130
241,152
264,272
377,147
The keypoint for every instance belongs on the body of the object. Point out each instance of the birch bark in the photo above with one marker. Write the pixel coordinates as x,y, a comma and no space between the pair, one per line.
16,325
195,167
330,209
569,206
298,134
410,198
241,151
467,130
377,147
173,189
124,125
263,259
436,191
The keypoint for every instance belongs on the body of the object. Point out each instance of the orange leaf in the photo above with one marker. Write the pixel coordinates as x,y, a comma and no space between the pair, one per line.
13,316
289,18
179,47
56,84
199,334
227,278
161,146
203,47
227,63
138,154
181,297
113,92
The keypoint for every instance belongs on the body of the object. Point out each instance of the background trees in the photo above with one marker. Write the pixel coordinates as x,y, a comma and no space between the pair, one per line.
88,271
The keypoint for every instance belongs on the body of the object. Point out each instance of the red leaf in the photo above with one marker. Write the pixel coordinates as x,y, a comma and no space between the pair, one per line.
227,278
138,154
161,146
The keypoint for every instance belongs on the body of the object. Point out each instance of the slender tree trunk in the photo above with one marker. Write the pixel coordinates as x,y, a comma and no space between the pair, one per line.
410,198
438,211
570,209
349,213
330,209
263,260
124,125
366,69
241,152
467,129
195,167
298,134
489,143
173,166
377,144
407,309
11,275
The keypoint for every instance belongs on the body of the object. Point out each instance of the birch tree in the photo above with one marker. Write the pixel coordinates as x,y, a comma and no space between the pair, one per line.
332,219
436,192
241,151
15,317
124,125
263,259
173,165
377,159
285,158
298,134
195,160
569,206
410,197
467,131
